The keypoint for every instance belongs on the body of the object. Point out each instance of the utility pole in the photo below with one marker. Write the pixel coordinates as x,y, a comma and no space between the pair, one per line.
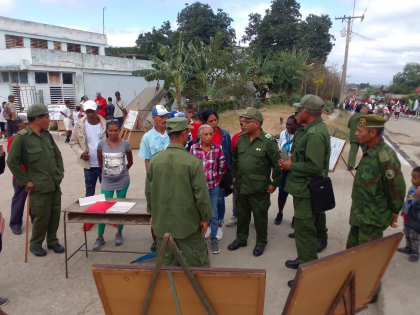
103,20
346,55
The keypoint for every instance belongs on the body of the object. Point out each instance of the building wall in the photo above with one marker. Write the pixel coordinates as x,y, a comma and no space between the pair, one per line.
107,84
39,30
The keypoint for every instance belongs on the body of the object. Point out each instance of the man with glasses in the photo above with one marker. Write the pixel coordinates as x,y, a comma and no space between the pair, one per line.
309,159
254,158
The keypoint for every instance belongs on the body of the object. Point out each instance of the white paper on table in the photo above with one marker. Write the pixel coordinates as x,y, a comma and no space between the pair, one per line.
91,200
121,207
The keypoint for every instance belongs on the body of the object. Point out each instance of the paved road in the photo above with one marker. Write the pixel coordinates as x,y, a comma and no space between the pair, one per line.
40,287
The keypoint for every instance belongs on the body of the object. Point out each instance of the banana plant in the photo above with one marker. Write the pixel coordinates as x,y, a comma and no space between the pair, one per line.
211,91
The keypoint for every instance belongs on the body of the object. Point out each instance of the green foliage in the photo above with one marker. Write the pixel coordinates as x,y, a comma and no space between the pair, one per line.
370,91
280,98
294,98
148,43
282,29
363,86
341,106
407,81
335,100
119,51
219,105
258,104
199,20
328,107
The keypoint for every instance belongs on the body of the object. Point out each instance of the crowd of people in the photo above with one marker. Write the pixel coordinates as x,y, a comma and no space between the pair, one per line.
193,166
380,107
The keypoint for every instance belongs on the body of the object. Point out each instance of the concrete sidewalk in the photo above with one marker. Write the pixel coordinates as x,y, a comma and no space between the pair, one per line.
40,286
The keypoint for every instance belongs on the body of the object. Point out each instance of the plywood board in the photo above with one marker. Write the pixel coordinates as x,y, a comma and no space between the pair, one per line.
317,283
134,138
230,291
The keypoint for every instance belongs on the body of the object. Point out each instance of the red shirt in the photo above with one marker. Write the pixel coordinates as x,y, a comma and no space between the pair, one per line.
8,147
234,139
102,103
194,132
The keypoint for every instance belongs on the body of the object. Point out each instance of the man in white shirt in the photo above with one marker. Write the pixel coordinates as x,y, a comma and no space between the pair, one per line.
68,120
120,111
93,126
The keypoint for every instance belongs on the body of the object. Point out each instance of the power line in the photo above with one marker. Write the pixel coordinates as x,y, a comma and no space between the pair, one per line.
367,7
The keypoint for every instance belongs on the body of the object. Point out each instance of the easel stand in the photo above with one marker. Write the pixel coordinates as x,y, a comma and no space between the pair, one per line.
168,241
133,136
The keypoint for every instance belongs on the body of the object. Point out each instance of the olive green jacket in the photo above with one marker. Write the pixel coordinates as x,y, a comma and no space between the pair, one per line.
253,162
41,158
378,188
353,126
310,158
176,192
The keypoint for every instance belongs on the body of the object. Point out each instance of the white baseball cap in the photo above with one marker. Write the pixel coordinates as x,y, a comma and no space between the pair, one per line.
90,105
159,110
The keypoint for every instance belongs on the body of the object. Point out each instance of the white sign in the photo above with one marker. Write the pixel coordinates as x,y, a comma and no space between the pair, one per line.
337,146
54,111
131,119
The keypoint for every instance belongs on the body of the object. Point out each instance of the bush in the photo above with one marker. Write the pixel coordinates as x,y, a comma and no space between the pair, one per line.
279,98
219,105
258,104
335,100
328,107
294,98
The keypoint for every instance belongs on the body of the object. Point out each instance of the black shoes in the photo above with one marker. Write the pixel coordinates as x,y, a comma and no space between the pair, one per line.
320,246
39,252
258,250
57,248
292,235
406,250
3,302
17,231
278,219
234,246
293,264
290,283
153,247
413,257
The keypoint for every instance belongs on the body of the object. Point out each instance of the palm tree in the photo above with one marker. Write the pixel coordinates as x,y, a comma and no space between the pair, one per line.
174,70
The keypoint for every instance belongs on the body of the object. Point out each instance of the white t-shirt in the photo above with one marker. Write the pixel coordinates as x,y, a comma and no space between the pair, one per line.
1,115
67,112
93,133
118,112
75,117
282,141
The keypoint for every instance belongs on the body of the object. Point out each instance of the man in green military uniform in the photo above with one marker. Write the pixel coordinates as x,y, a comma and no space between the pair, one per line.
35,149
379,186
178,198
256,154
309,159
354,143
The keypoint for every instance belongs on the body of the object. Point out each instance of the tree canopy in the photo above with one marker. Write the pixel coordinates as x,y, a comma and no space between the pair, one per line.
407,81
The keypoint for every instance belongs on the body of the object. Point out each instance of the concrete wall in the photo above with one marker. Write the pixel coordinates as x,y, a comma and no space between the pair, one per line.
11,59
39,30
128,86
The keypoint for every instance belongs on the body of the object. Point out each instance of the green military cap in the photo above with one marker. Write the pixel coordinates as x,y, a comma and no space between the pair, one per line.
310,101
253,113
177,124
37,110
371,121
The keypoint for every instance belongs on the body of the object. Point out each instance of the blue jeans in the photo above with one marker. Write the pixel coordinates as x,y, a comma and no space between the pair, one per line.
282,193
120,121
91,176
214,222
221,208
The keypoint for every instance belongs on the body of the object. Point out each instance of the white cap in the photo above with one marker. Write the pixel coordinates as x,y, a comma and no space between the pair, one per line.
90,105
159,110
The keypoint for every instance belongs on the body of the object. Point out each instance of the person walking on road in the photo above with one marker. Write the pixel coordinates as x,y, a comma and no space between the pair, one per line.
254,160
178,198
9,113
89,130
35,149
309,159
354,143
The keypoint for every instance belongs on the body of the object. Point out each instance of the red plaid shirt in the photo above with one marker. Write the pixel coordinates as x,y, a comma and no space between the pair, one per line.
213,162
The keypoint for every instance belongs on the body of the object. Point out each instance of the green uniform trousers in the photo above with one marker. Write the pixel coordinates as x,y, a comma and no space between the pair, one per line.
362,234
257,204
354,148
193,248
309,230
47,209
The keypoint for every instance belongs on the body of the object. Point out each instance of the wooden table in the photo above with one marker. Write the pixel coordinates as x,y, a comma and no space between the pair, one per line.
74,214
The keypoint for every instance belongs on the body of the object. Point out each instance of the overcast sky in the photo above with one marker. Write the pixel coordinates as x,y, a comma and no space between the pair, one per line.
393,24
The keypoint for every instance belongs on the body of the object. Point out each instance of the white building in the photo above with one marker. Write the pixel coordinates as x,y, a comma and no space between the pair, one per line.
64,63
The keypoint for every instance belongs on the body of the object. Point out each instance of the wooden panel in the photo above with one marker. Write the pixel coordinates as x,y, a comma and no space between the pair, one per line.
54,77
317,283
92,50
230,291
134,138
57,45
14,41
73,47
39,43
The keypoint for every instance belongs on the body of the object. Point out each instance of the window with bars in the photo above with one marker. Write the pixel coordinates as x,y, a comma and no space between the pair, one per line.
57,45
92,50
73,47
39,43
14,41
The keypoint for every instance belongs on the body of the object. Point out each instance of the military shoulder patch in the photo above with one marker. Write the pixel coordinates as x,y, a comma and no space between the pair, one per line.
268,136
390,174
311,130
383,156
23,132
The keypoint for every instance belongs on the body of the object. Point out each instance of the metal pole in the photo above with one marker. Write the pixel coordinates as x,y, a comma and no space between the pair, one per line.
343,77
103,20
